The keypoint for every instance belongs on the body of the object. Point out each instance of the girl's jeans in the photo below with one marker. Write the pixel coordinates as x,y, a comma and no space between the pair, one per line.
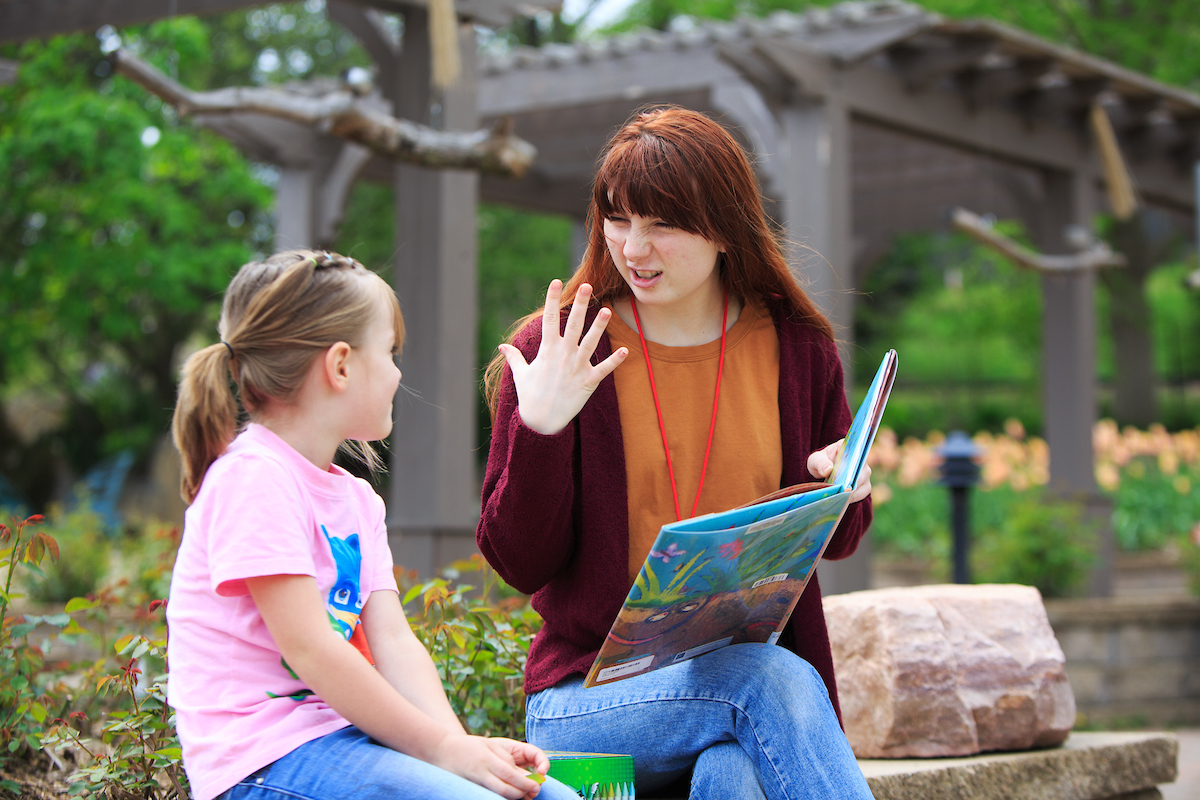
752,720
348,764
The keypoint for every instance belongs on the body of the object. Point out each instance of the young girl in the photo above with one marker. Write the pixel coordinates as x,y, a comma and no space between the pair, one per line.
691,375
293,671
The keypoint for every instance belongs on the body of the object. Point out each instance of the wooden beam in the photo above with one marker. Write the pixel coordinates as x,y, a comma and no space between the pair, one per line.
36,19
983,85
1098,255
922,66
344,114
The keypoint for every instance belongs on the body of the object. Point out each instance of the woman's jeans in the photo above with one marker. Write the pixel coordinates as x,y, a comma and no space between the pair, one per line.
752,720
349,765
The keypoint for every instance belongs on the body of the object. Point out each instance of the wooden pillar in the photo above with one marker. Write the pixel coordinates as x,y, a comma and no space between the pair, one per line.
817,218
310,198
433,504
295,204
1069,365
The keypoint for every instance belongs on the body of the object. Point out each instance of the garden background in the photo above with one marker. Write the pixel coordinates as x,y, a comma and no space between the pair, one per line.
121,224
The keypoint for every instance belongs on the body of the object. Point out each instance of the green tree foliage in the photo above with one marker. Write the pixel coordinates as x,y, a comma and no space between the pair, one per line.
968,326
120,224
118,229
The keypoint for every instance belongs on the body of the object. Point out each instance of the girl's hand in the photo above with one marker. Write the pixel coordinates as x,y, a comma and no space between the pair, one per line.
498,765
820,465
554,387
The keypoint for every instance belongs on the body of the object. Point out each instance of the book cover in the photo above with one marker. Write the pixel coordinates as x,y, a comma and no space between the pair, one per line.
735,576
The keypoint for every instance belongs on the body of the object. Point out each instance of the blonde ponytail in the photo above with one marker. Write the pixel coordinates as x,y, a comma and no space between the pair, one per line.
206,414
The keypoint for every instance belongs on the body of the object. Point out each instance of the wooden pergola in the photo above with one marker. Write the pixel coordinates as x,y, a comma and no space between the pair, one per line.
866,119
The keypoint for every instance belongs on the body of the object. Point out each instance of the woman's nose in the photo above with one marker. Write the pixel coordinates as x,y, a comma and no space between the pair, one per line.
635,244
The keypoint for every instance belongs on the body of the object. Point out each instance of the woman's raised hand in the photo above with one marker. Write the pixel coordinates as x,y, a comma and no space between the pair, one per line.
554,387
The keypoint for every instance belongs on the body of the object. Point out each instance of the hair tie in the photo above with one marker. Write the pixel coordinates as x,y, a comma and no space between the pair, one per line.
228,347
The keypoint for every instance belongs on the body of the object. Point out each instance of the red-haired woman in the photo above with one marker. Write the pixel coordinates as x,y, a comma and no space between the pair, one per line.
681,266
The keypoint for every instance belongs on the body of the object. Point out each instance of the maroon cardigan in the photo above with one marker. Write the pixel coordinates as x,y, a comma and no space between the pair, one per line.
555,516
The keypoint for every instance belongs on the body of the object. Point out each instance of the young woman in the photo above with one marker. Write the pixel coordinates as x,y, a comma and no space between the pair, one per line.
692,374
284,580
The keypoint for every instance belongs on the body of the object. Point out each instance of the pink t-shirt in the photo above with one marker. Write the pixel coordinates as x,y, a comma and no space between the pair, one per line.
263,509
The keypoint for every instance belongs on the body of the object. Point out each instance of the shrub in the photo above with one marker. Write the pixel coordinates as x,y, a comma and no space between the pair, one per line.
1039,542
79,532
479,640
137,754
27,694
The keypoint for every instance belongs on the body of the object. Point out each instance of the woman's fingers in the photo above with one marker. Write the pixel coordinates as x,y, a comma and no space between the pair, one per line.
575,319
550,314
555,385
513,356
863,490
820,463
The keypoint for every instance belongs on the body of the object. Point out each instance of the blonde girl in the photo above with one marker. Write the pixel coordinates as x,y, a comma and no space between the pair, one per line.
293,671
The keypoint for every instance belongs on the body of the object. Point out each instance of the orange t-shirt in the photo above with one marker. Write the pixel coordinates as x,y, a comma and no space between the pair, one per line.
746,461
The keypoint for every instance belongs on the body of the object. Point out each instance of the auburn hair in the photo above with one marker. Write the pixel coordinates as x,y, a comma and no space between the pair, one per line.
277,316
682,167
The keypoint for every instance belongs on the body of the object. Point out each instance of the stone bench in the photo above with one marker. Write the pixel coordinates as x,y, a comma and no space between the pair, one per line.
1088,766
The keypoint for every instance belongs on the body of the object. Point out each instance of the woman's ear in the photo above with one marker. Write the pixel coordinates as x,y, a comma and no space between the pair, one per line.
336,366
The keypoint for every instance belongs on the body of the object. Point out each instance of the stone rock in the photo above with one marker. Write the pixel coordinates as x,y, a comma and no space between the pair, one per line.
949,670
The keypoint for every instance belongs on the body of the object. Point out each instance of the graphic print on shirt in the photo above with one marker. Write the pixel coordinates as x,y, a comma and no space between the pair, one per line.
345,601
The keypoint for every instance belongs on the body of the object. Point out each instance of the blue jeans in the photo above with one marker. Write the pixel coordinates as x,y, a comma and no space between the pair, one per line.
348,764
750,720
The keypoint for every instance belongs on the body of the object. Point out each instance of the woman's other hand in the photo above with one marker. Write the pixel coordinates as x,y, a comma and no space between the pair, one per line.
554,387
820,465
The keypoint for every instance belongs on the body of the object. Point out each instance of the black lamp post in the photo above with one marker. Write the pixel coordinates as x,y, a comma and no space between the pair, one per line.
959,473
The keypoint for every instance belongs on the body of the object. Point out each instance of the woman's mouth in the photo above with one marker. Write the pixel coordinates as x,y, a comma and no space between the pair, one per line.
644,277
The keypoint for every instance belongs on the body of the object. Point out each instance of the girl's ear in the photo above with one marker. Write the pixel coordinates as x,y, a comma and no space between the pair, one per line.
336,364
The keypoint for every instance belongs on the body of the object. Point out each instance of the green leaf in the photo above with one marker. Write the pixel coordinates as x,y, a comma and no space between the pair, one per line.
22,630
80,604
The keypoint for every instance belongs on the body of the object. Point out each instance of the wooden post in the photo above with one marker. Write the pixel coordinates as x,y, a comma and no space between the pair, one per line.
434,502
1069,366
817,219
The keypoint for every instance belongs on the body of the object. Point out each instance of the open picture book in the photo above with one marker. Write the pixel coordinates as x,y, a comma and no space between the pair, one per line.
735,576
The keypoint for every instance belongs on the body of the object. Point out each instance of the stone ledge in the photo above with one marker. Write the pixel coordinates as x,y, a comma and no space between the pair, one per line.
1152,610
1088,766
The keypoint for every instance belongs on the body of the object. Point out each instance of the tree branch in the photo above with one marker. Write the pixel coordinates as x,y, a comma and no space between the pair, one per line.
1097,255
347,115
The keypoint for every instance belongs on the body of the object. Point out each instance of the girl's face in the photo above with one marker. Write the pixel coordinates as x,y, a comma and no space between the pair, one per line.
663,265
376,376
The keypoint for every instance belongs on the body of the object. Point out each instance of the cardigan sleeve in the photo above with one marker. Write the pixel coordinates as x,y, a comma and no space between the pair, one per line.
525,524
835,423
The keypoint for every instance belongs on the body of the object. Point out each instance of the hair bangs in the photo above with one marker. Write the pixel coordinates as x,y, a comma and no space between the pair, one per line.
646,175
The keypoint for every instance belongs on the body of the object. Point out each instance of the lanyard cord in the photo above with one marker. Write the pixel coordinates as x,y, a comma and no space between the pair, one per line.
712,426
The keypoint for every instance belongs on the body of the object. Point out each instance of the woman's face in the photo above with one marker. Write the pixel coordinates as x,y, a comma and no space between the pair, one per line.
663,265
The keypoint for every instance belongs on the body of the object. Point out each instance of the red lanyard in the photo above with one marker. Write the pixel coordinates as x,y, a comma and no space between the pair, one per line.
658,408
